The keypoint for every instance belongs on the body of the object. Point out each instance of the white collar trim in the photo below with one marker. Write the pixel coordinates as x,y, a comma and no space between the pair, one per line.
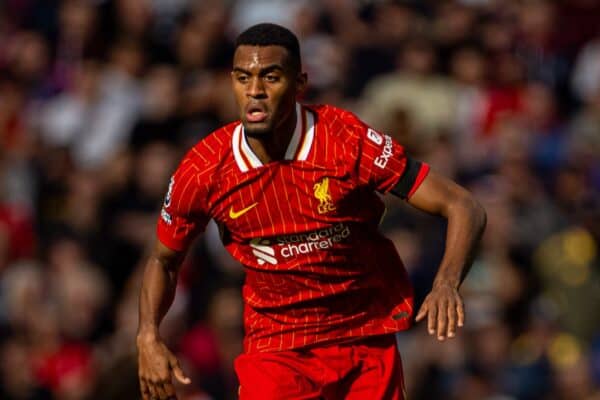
298,148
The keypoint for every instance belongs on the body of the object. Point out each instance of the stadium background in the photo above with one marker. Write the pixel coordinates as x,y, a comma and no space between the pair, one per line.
99,99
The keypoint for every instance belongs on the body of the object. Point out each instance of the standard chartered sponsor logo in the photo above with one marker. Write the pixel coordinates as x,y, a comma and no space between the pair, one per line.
382,159
262,251
323,239
286,246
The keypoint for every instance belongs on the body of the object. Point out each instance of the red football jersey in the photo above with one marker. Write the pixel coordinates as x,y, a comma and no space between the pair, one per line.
305,228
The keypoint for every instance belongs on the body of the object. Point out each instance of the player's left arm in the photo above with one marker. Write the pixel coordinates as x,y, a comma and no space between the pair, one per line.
438,195
384,166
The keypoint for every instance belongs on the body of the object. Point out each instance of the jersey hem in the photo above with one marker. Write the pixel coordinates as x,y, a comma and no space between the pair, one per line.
253,349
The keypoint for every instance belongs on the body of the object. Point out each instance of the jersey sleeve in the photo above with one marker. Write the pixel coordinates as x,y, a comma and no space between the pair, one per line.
383,164
183,215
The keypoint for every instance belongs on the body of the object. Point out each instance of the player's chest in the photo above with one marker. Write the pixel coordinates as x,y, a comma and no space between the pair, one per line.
293,196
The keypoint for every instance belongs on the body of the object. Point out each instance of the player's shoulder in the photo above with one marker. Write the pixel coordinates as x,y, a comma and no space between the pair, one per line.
212,150
340,122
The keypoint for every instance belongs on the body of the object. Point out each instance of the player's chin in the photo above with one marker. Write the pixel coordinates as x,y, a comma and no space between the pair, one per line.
257,128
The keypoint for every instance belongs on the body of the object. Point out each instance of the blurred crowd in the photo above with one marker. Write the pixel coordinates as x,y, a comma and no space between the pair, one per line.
99,100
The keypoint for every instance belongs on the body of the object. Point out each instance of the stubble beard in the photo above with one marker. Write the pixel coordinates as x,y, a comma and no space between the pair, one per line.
258,132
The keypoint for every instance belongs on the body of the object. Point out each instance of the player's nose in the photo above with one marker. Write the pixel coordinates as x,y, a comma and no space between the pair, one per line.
256,88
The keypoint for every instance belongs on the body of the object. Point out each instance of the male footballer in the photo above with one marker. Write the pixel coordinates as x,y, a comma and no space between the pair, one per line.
294,189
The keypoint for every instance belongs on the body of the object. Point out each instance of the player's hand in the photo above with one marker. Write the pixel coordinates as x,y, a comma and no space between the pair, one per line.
156,365
444,309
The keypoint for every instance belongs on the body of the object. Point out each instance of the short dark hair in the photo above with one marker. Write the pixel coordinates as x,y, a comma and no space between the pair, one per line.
267,34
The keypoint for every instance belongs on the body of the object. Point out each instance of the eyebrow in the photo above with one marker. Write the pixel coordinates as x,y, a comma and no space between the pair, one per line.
265,70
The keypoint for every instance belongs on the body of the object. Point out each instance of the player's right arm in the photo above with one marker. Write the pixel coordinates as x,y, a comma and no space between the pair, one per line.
156,363
182,218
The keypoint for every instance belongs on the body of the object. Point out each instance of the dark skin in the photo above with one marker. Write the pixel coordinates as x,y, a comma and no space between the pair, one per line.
156,364
443,306
267,79
266,86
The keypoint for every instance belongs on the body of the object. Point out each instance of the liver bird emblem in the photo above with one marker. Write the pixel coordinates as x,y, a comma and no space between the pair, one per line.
322,194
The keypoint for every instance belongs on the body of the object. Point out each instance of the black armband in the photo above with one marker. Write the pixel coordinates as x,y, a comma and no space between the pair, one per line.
408,178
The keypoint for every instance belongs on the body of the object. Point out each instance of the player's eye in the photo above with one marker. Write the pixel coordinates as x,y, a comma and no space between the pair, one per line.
272,78
242,78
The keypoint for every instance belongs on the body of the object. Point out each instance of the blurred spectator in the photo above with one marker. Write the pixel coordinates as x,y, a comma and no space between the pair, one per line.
416,89
158,120
77,39
118,105
586,83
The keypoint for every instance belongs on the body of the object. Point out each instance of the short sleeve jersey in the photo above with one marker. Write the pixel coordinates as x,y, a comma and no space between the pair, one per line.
305,228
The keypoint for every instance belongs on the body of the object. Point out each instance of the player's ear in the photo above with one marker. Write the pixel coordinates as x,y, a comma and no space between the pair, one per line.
301,82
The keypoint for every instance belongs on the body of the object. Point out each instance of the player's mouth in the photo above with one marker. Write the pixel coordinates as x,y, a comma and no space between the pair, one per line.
256,113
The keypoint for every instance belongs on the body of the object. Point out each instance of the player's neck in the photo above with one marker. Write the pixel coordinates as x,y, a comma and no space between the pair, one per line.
272,147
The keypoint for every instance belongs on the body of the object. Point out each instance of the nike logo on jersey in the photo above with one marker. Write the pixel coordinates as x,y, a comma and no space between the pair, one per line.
236,214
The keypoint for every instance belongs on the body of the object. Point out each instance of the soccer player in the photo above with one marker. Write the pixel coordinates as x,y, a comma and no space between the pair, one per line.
294,190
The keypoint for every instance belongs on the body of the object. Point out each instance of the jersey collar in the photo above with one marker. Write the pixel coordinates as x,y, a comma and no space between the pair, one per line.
298,148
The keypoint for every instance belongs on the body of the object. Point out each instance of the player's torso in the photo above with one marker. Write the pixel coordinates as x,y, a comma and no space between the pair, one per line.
289,203
306,229
295,213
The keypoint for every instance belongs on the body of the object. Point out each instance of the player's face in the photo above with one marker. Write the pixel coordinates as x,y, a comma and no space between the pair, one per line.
265,86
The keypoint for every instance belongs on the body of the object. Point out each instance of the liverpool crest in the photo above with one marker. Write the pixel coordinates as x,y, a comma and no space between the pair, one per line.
322,194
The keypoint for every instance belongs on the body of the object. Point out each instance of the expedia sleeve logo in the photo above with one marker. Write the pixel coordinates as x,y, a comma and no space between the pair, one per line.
388,148
387,151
